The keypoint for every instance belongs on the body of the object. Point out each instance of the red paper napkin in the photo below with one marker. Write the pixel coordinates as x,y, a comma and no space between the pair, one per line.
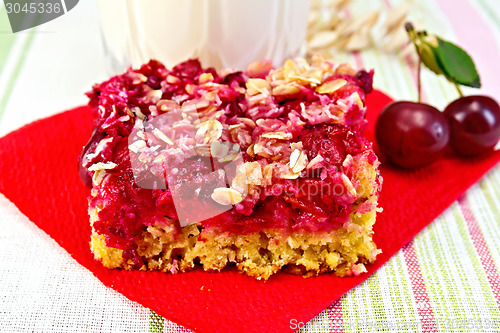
38,173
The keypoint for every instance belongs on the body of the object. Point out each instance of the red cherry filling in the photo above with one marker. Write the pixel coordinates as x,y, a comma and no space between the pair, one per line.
325,140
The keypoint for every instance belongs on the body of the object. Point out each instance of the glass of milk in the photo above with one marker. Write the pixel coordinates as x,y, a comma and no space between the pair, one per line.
221,33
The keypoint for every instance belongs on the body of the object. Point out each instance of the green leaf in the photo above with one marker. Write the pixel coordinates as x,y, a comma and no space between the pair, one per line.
456,64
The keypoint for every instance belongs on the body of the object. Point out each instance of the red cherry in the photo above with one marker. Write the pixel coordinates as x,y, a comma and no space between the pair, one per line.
474,124
412,135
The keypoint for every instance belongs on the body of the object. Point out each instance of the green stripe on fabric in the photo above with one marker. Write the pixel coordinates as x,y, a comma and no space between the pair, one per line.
6,36
488,296
449,91
155,322
350,309
491,195
399,277
466,287
448,282
377,302
431,263
5,95
407,71
490,12
373,59
371,294
369,297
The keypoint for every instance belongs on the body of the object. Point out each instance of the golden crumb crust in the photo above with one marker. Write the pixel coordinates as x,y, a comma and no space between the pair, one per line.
261,254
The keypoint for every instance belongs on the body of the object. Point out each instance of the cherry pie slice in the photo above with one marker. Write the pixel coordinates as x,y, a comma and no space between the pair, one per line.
265,170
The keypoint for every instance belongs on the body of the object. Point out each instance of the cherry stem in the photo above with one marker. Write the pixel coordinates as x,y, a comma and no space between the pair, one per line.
411,32
459,90
419,69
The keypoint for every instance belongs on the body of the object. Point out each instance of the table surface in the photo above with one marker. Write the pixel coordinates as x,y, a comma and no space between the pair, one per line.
446,280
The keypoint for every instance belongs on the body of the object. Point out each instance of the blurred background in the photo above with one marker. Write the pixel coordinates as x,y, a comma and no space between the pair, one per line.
49,67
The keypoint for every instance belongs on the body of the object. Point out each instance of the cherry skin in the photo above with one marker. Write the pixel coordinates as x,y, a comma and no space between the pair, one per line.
94,140
474,123
412,135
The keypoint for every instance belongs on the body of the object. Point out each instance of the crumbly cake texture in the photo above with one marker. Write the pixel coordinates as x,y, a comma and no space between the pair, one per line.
302,197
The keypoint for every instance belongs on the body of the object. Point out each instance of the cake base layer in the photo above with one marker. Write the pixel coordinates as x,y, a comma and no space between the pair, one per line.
344,250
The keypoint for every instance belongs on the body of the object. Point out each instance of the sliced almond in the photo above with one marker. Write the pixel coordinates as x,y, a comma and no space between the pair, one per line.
162,136
312,76
290,68
286,90
315,161
331,86
202,150
267,173
159,159
232,154
296,145
357,99
348,162
276,157
300,161
247,121
189,107
232,127
141,134
257,86
98,177
137,111
154,96
226,196
277,135
219,149
102,166
294,157
250,150
253,173
348,185
209,131
229,157
166,105
277,75
136,145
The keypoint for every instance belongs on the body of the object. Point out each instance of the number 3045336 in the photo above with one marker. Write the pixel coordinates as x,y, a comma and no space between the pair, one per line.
33,7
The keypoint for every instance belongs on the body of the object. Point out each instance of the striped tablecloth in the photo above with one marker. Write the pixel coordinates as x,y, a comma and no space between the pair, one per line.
445,280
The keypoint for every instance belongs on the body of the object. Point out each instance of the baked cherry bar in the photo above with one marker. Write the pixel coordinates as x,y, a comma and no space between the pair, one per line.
265,170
